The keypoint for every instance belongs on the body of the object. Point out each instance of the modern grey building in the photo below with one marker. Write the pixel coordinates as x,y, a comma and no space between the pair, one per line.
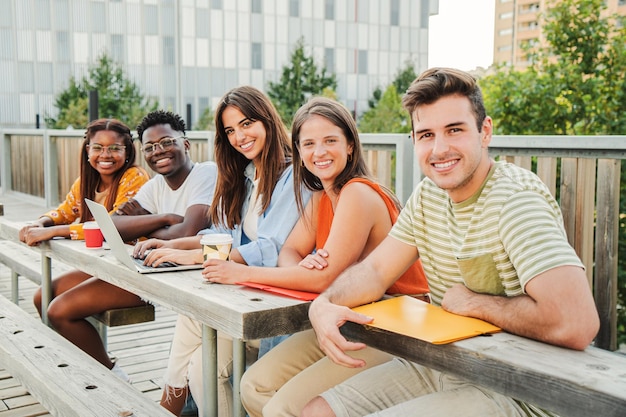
185,52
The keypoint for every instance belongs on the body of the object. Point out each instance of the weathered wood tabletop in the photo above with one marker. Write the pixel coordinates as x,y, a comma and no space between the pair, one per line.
567,382
240,312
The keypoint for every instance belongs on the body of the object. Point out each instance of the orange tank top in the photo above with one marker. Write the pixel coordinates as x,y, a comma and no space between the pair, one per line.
413,281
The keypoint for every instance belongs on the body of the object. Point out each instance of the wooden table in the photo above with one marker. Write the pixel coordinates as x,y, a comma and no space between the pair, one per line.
240,312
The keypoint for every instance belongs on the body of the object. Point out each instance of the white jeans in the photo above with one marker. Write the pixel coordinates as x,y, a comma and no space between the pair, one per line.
185,364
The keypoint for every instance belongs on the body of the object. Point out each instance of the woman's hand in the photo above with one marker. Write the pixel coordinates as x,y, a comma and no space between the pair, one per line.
156,257
24,230
142,248
224,272
34,234
315,260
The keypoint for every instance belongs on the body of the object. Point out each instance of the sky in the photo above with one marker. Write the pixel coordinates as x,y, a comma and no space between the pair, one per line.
461,35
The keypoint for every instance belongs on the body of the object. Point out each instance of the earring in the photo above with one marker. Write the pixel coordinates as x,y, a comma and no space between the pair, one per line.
302,162
349,157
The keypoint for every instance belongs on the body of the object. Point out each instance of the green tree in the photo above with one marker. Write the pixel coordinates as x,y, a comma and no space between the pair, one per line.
402,80
574,86
300,80
206,121
118,97
388,116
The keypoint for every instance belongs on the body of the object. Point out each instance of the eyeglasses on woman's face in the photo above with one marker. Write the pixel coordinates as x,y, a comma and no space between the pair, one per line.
97,149
164,144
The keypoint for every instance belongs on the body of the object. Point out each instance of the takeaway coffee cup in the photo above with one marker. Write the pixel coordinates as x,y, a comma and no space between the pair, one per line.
216,246
93,235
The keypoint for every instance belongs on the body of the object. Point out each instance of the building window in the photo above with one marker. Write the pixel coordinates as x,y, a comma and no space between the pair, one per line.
294,8
256,6
395,13
117,47
151,19
98,19
329,9
257,56
216,4
63,47
362,61
168,51
329,59
42,15
202,23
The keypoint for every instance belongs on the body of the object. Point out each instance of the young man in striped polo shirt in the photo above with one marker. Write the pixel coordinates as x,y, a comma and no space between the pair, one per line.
492,242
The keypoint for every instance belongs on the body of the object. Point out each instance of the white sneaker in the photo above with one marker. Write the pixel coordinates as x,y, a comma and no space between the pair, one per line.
117,370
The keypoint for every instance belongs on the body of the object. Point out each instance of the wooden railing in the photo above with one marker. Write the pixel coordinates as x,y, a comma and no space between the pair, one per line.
583,172
45,163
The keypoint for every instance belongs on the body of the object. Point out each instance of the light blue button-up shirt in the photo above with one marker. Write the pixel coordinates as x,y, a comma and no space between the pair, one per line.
274,224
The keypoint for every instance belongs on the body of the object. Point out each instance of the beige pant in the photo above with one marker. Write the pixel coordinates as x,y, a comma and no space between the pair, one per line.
185,364
293,373
403,388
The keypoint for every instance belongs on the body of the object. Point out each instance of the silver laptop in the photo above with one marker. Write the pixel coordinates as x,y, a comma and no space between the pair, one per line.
120,249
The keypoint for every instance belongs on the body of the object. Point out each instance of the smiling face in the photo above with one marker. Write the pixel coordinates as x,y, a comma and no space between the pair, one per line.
247,136
107,162
324,149
449,148
166,162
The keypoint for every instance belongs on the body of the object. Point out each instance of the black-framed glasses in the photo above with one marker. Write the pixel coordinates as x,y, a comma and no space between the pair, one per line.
164,144
96,148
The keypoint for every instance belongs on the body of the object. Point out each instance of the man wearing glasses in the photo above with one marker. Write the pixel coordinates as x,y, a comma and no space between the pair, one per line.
175,202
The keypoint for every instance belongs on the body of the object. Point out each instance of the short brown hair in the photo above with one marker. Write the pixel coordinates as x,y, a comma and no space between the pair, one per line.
435,83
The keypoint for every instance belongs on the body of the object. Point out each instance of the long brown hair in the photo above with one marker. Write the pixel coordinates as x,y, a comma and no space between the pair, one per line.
340,116
90,177
230,190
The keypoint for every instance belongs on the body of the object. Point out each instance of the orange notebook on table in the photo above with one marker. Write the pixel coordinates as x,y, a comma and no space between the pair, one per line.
415,318
300,295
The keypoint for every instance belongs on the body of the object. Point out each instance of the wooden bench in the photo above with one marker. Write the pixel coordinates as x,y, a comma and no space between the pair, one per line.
24,262
64,379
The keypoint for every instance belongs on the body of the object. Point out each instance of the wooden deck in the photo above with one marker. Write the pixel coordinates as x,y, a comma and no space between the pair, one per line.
142,351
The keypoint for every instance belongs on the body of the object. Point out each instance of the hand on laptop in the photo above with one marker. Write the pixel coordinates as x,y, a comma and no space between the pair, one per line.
143,247
161,255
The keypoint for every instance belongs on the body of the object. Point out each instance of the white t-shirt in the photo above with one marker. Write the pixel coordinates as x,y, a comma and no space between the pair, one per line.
157,197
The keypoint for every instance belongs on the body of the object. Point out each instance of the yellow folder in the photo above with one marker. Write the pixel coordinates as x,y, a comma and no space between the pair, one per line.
415,318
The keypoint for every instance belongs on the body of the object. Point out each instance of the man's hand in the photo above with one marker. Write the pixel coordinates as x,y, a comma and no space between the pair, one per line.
326,319
460,300
131,208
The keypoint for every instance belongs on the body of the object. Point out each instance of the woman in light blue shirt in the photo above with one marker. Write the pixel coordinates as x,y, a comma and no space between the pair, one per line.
254,202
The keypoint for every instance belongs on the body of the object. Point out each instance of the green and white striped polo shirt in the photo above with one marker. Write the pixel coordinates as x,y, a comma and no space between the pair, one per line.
495,242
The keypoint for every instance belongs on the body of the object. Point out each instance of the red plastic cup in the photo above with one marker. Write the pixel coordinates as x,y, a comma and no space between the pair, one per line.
93,235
